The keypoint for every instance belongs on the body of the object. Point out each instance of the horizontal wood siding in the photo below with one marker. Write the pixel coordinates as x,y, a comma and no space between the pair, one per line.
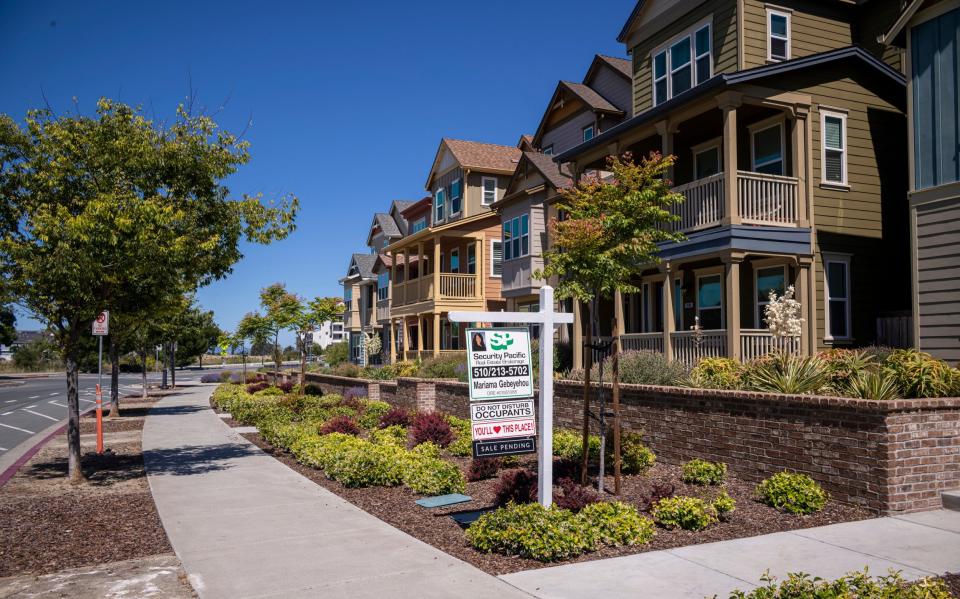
613,87
938,278
569,133
724,46
518,273
814,27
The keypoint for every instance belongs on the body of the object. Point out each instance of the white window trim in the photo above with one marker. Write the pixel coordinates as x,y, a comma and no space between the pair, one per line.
483,190
436,205
583,132
757,302
455,252
665,47
845,260
723,292
493,260
777,121
788,15
823,148
548,151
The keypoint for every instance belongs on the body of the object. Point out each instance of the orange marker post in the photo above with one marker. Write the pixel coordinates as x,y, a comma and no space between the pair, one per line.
99,420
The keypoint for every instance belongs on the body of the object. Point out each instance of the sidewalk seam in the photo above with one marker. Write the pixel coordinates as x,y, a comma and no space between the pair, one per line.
856,551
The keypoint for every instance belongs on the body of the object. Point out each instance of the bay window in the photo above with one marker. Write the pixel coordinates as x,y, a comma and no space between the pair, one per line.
516,237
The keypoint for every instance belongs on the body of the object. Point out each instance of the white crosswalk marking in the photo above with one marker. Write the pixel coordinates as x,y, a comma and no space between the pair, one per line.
42,415
34,397
6,413
54,393
3,448
57,403
17,428
10,400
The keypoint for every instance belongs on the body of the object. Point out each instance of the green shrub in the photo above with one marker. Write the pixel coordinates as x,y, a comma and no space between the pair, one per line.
635,457
854,585
724,505
368,465
918,374
793,493
617,524
872,385
346,369
785,373
702,472
225,376
337,353
462,446
445,366
532,531
433,476
717,373
639,368
322,451
688,513
568,445
427,449
269,392
373,410
842,365
395,435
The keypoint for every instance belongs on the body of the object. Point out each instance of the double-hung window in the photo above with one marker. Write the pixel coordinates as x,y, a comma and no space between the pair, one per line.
496,258
834,150
454,260
710,301
456,196
837,278
771,278
706,159
489,190
438,204
685,62
419,225
766,147
778,34
516,237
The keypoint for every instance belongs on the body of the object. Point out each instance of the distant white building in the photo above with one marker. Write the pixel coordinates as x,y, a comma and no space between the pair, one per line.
329,333
23,338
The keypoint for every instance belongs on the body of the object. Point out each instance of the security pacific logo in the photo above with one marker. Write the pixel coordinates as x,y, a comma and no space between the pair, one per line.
500,341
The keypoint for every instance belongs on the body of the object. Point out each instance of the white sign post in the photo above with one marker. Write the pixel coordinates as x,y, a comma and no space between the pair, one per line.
547,318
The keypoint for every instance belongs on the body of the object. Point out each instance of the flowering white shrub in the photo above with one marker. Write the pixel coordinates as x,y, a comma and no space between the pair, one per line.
373,344
783,314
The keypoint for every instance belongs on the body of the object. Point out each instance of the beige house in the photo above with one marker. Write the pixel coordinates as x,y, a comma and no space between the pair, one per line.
788,123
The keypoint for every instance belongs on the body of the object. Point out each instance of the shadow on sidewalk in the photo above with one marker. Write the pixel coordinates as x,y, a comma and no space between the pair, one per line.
196,459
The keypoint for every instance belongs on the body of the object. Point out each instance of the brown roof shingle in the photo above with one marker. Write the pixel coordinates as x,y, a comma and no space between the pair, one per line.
483,156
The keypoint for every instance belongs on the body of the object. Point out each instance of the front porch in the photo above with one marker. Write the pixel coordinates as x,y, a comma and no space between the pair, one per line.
425,335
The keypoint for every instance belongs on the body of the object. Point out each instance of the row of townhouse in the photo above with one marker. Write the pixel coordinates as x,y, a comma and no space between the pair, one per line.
816,145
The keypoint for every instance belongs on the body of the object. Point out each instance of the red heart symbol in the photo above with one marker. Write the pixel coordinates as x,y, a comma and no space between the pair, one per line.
496,429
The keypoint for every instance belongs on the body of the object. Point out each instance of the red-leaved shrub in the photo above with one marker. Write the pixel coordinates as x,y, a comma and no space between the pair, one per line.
518,486
397,415
285,386
254,387
340,424
573,496
432,426
481,468
256,378
656,492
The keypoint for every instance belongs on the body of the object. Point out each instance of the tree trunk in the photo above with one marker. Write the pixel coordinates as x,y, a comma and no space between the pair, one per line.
173,365
303,366
163,361
244,356
587,366
74,471
143,358
277,358
114,379
201,361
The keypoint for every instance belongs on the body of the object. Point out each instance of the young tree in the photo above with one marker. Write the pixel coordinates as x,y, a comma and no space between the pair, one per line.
256,328
281,309
311,315
98,210
612,227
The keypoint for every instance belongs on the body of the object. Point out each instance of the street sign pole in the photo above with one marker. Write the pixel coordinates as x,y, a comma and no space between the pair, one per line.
101,327
547,318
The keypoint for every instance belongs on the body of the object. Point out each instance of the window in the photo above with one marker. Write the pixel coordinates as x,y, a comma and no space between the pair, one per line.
454,260
706,161
438,204
766,149
383,285
496,258
348,295
778,35
456,195
837,290
765,280
419,225
684,63
472,259
489,190
548,151
834,151
588,133
677,305
516,236
710,301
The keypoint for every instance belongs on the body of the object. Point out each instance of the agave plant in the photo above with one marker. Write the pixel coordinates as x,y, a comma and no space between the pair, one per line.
873,385
786,373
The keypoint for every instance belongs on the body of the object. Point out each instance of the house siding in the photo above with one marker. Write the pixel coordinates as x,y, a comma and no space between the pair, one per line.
613,87
814,27
518,277
569,133
724,29
938,278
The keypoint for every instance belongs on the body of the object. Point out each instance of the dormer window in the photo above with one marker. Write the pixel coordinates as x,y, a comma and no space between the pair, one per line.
548,151
438,204
419,225
778,34
684,62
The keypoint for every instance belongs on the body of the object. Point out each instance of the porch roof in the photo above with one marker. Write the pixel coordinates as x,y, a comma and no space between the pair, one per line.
726,80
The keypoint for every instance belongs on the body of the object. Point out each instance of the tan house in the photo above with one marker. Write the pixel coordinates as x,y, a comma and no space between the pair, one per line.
788,123
450,259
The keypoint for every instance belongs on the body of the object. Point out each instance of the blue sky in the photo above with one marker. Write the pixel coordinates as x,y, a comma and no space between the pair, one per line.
348,100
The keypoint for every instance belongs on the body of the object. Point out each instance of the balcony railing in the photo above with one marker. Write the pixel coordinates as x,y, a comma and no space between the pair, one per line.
688,347
762,200
452,285
383,310
756,343
457,285
642,341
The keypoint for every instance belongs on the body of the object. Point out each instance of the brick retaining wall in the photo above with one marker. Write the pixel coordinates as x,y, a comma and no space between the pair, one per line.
891,457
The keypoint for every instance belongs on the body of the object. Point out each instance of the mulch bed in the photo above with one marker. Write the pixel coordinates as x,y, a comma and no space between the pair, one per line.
395,505
47,524
953,583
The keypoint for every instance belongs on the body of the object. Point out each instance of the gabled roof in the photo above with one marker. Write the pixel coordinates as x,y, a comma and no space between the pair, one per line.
479,156
385,223
401,205
622,36
422,203
890,38
621,66
364,264
591,98
724,80
541,163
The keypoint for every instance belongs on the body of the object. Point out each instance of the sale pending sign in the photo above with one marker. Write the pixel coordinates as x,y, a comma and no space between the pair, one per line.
498,361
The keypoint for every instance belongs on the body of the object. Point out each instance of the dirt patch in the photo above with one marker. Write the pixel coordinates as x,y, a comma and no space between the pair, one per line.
395,505
48,525
953,583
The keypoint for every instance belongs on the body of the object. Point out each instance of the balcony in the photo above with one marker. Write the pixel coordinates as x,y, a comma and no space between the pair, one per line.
769,200
383,310
453,286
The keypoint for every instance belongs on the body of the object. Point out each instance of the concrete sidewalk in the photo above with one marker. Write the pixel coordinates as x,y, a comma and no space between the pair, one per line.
245,525
923,544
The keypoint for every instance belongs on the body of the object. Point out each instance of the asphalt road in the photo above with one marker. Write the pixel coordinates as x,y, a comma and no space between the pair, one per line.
40,402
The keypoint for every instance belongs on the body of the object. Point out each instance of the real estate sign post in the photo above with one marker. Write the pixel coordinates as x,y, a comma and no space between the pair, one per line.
501,386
